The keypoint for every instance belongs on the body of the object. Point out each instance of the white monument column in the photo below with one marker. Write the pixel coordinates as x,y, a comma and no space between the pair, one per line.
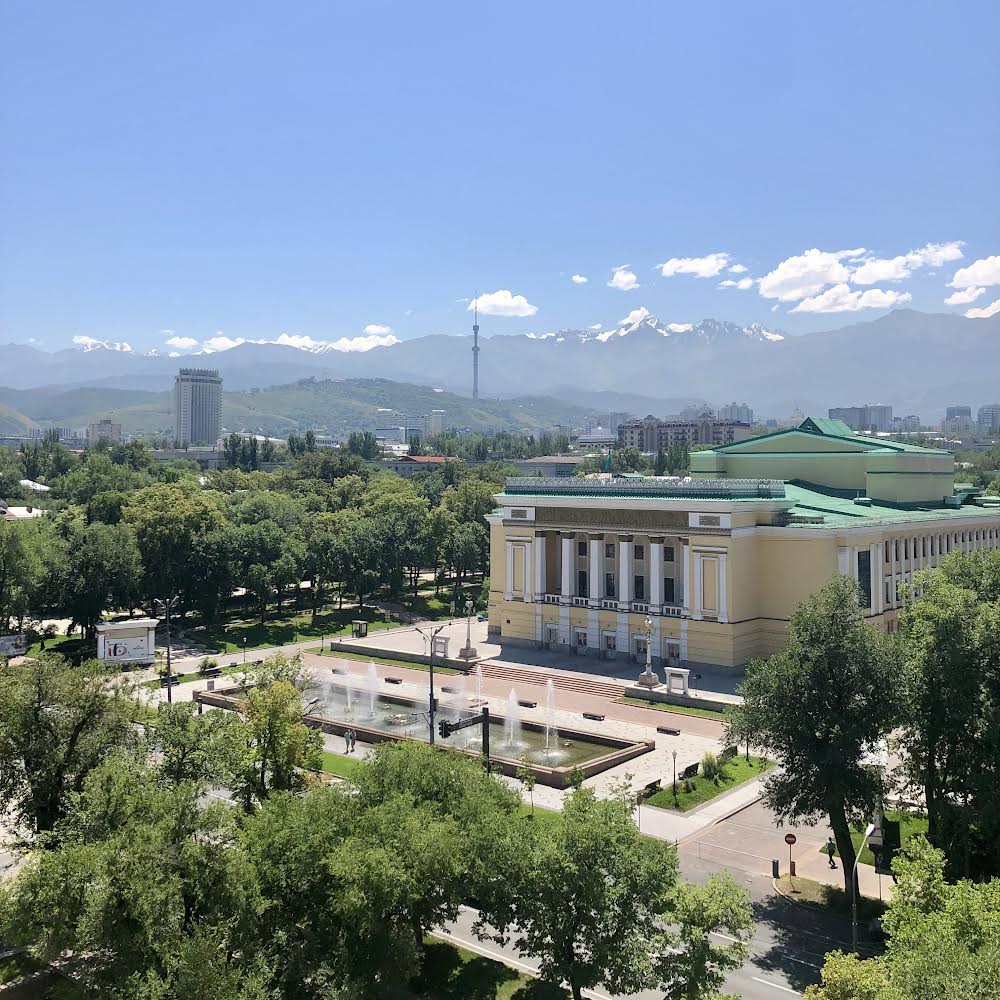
508,583
568,562
594,569
624,572
723,589
540,552
685,597
893,569
655,588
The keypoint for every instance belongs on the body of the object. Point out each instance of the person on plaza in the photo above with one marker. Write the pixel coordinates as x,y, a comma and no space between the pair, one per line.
347,741
831,849
354,741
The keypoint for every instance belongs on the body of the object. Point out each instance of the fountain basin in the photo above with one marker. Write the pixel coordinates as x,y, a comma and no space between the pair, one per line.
401,719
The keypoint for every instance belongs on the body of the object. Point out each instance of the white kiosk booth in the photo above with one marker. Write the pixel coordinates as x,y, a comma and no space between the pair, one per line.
128,642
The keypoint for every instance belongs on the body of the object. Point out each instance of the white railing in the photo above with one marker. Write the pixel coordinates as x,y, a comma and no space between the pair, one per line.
550,598
580,602
609,604
640,607
673,610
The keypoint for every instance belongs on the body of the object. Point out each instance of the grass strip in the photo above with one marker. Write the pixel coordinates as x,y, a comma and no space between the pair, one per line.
910,825
659,706
702,790
385,660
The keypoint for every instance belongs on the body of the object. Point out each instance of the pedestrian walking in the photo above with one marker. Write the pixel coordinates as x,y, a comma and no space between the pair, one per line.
831,850
347,741
354,741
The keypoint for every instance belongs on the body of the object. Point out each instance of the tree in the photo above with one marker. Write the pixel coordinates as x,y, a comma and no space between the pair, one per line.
188,743
819,706
660,463
415,446
951,731
589,899
20,569
310,440
943,939
57,724
364,445
102,572
268,748
148,889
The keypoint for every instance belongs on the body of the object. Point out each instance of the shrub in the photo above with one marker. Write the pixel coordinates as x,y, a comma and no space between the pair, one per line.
207,663
712,767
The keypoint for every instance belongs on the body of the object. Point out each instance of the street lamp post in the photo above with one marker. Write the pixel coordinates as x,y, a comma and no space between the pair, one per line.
244,651
649,679
854,885
469,653
430,663
675,775
167,604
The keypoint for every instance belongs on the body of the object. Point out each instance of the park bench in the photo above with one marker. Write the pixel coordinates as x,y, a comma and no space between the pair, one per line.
728,754
651,789
396,680
691,771
528,704
668,730
169,681
593,716
212,672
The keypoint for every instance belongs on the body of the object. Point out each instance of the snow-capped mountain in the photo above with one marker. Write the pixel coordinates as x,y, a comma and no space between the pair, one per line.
708,331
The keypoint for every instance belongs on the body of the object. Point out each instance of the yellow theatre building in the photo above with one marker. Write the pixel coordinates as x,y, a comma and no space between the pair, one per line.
717,562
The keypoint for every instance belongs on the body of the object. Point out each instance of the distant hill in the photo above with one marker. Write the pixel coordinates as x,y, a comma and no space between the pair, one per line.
918,362
333,406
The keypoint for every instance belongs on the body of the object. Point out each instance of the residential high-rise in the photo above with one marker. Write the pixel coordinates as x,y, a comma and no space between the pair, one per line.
737,411
435,422
197,406
873,417
988,418
104,430
651,434
957,412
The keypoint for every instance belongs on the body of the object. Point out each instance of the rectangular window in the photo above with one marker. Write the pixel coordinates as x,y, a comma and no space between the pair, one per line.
674,650
609,584
906,548
639,585
923,546
581,640
637,552
668,553
895,549
887,552
865,577
581,548
610,642
668,590
609,550
581,583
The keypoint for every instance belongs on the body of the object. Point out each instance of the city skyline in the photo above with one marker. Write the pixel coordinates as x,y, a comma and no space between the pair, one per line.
382,169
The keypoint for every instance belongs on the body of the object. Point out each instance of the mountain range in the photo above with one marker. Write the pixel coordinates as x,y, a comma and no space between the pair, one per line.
918,362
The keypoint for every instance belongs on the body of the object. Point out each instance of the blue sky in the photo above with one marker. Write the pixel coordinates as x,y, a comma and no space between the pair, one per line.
313,170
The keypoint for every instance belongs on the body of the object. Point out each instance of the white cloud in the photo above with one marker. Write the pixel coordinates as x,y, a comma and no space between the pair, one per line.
985,271
595,326
965,296
806,274
503,303
680,327
623,279
986,312
606,336
636,316
377,329
877,269
738,269
220,342
579,279
362,343
167,333
182,343
174,354
743,284
701,267
840,298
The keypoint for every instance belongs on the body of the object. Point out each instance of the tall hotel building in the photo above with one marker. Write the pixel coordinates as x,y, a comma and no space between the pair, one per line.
197,406
718,562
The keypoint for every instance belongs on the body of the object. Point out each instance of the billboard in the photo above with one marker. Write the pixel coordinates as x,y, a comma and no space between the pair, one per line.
124,649
13,645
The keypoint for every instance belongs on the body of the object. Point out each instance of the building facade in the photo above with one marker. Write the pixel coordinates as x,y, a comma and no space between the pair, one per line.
871,417
718,563
988,418
197,407
739,412
104,430
651,434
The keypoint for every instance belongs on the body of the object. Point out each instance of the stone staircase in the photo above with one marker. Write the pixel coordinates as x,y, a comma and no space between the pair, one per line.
562,682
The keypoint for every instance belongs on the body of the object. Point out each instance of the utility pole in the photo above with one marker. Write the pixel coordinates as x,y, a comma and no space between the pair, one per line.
168,604
447,728
430,664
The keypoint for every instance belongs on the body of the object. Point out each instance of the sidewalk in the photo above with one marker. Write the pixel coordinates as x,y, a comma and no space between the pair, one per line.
817,867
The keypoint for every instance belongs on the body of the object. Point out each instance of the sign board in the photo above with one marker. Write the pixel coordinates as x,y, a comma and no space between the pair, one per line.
13,645
790,839
125,649
129,641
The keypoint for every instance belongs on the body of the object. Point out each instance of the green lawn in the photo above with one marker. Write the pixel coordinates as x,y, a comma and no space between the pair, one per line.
737,771
386,660
659,706
227,637
195,675
452,973
342,767
910,825
805,890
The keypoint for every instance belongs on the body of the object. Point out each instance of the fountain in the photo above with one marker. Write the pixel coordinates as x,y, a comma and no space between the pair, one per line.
348,697
371,683
551,732
512,723
479,684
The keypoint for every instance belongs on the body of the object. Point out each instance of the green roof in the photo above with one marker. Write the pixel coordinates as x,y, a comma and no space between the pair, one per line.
824,425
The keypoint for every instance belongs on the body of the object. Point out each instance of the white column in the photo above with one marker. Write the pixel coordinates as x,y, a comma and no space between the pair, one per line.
540,554
844,560
568,563
624,571
699,593
594,570
685,575
508,584
723,589
893,545
873,574
655,588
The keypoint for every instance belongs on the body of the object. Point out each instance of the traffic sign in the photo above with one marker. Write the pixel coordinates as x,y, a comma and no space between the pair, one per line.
789,839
